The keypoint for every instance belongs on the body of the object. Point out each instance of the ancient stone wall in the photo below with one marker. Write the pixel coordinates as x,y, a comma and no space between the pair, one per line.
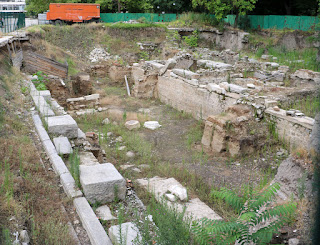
192,99
293,130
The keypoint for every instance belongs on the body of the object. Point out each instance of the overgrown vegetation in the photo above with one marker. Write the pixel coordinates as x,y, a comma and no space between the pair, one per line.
309,105
29,194
74,161
256,223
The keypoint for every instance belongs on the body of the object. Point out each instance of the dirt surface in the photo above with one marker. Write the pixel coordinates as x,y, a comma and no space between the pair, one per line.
178,142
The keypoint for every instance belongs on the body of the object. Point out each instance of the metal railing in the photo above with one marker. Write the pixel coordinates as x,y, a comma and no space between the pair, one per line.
11,21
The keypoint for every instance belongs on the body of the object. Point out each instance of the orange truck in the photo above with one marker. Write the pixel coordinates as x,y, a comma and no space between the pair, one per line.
69,13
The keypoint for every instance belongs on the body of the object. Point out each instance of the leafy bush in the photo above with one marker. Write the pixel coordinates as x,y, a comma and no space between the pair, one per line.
256,222
39,82
192,40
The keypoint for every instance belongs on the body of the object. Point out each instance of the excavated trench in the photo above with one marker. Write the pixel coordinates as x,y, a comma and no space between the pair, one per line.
215,120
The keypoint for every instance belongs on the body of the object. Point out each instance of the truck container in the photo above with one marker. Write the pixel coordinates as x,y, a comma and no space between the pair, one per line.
60,13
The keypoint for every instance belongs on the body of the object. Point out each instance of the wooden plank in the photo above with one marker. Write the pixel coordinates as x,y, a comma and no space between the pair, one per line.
35,62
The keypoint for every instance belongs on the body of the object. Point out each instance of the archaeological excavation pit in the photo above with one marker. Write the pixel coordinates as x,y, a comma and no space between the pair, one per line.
132,121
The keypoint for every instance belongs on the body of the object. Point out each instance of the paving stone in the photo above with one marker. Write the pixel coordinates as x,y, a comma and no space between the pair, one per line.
90,222
104,213
63,125
129,233
132,124
62,145
100,182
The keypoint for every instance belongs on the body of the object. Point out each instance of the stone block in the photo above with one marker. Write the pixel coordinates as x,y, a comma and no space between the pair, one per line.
90,222
180,192
92,97
216,88
102,182
207,134
63,125
42,106
218,143
213,64
40,129
62,145
186,74
45,94
153,125
170,64
49,147
132,124
69,185
270,103
58,164
104,213
87,158
129,233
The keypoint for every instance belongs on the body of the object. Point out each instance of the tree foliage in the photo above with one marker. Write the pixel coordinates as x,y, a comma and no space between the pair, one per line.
256,221
221,8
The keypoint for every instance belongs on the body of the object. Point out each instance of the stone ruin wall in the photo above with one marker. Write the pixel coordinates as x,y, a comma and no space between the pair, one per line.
294,131
196,100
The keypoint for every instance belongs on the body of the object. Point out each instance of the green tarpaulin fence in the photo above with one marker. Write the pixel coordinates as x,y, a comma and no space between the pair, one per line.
11,21
115,17
304,23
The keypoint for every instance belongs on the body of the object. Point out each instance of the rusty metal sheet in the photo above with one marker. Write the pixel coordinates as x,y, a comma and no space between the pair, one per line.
34,62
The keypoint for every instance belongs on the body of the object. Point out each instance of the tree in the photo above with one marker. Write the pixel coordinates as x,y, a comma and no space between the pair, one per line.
221,8
256,223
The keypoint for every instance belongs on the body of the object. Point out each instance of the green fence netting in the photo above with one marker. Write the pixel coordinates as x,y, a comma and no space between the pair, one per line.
304,23
11,21
115,17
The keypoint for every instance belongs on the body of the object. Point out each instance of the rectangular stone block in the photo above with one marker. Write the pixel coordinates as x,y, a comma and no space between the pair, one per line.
43,135
62,145
87,158
49,147
102,182
207,134
90,222
63,125
58,164
42,106
69,185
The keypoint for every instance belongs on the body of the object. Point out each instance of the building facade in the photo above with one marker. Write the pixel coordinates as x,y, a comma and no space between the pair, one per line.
12,6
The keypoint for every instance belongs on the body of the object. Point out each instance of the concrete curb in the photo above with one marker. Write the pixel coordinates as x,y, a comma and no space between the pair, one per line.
69,185
90,222
57,163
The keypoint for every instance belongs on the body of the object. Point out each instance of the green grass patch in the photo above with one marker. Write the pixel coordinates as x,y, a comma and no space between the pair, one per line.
112,90
296,59
309,105
192,19
134,26
72,67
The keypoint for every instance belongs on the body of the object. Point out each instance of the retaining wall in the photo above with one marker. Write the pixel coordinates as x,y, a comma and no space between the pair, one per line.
295,131
196,100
